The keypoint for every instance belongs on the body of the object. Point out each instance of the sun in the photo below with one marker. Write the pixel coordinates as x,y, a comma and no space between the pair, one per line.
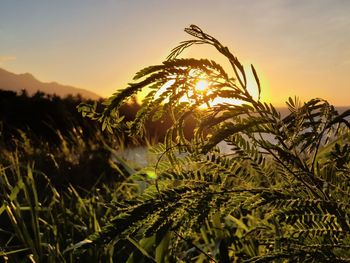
202,85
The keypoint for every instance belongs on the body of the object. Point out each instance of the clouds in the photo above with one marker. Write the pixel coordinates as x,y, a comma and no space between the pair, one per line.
6,58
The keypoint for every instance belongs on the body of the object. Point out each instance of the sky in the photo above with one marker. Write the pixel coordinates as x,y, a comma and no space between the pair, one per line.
299,47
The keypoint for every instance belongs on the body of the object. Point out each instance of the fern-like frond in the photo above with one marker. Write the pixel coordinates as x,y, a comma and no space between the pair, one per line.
281,192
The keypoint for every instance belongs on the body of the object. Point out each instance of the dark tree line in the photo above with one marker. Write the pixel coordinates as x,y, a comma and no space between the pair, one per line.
44,117
41,115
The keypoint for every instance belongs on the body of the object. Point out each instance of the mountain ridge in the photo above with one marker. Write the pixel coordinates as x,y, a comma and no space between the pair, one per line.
26,81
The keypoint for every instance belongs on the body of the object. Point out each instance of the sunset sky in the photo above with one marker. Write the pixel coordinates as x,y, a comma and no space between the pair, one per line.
298,47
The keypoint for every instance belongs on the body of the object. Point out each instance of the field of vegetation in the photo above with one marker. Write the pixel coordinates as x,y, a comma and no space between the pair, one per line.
280,194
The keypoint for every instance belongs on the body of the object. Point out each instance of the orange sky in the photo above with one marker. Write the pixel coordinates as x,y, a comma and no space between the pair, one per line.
298,47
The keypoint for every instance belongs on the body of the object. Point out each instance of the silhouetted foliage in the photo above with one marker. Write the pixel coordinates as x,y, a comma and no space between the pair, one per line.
280,195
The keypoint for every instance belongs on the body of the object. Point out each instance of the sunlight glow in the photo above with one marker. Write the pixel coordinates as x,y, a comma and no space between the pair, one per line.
202,85
252,87
164,89
229,101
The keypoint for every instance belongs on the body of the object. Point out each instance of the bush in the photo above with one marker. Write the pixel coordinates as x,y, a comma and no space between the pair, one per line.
281,193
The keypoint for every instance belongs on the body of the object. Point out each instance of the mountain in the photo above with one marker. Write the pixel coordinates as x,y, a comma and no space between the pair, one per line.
18,82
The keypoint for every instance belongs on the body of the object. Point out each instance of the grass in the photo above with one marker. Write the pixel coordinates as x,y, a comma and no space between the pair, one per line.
54,196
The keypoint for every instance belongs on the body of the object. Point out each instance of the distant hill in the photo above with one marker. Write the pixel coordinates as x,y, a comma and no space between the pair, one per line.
18,82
